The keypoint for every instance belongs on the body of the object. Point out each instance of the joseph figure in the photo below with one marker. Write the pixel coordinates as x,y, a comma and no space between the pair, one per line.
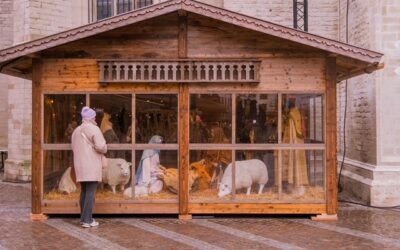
294,164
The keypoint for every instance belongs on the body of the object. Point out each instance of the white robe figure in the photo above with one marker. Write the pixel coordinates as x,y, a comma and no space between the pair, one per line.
147,177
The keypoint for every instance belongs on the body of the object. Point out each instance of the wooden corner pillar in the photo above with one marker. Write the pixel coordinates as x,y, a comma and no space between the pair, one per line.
37,170
331,160
183,124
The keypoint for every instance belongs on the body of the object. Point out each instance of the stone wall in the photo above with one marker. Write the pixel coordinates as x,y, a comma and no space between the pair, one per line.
51,16
6,30
277,11
372,164
388,88
361,113
322,14
32,19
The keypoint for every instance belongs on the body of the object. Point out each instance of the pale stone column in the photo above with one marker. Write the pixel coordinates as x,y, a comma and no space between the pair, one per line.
6,30
32,19
386,183
6,34
18,164
371,172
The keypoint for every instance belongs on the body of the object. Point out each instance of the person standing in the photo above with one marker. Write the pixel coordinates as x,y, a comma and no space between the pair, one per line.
88,146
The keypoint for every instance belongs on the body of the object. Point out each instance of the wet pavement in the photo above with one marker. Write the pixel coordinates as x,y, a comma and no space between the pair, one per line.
358,227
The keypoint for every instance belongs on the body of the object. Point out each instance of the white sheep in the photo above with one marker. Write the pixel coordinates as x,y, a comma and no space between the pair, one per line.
247,173
140,191
117,172
66,183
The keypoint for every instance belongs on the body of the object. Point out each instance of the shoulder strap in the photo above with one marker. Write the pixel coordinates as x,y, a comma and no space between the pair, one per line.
85,137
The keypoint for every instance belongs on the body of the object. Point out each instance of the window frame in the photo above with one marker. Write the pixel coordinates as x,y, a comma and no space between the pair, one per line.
132,146
233,146
279,146
93,8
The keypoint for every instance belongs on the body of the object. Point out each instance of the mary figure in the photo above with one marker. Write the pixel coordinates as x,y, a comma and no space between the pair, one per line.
149,168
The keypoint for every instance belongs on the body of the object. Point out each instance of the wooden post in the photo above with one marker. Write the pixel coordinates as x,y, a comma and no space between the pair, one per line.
37,168
183,125
182,36
331,168
184,152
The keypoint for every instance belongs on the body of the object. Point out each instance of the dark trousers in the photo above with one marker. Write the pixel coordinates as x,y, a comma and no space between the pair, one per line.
87,199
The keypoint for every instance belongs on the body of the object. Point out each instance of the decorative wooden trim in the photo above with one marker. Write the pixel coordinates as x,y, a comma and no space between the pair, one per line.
191,71
331,159
37,170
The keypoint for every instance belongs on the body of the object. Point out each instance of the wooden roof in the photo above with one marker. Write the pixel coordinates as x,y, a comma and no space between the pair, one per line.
367,61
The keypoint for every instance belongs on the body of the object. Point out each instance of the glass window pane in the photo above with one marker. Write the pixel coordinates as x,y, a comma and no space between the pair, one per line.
55,164
156,175
257,118
144,3
302,119
62,114
206,171
60,177
303,175
104,9
156,114
210,118
124,6
114,116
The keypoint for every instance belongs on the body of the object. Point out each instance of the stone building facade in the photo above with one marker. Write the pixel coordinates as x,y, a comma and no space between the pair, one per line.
372,157
371,169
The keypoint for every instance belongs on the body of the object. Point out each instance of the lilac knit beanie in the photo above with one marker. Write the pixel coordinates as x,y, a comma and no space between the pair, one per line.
88,113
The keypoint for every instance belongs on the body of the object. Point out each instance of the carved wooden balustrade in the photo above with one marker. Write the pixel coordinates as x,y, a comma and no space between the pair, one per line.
179,71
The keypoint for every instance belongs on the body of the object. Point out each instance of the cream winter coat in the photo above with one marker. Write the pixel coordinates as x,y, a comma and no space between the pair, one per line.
87,155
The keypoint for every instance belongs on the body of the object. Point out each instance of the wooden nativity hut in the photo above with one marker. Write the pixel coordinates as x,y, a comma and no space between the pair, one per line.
246,110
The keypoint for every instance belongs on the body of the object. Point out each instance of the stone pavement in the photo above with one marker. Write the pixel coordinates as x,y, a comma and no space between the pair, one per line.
358,227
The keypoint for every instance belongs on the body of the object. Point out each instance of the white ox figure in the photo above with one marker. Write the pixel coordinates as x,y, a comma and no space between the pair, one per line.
247,173
117,172
66,183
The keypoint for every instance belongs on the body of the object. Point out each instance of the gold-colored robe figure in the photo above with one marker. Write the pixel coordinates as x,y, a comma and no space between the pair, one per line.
294,164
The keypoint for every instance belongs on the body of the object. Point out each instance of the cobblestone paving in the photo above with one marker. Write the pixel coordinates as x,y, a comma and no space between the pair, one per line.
358,227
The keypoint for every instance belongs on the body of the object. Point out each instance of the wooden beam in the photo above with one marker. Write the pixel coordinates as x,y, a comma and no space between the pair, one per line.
256,208
182,35
183,124
183,150
37,169
360,71
331,168
17,73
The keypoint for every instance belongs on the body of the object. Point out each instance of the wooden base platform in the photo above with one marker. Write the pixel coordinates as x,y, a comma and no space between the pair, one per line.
185,217
325,217
39,217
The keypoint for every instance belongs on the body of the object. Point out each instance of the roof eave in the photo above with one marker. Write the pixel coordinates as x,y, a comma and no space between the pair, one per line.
360,71
328,45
